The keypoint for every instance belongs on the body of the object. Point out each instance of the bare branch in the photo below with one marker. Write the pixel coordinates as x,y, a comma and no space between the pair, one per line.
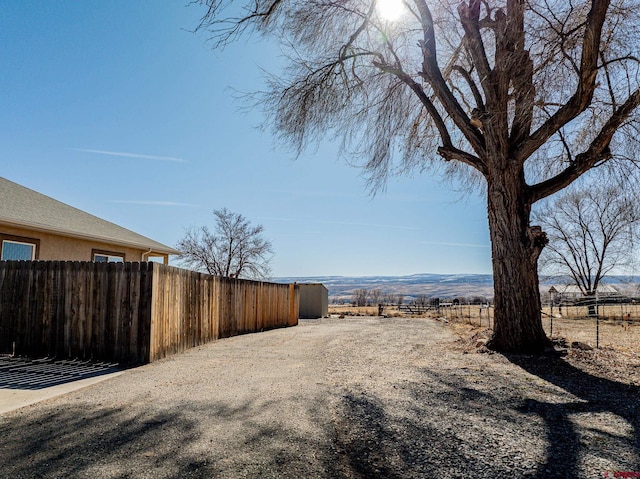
236,249
432,74
586,83
591,232
597,151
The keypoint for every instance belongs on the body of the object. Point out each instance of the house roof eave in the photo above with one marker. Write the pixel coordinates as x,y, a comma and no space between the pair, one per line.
91,237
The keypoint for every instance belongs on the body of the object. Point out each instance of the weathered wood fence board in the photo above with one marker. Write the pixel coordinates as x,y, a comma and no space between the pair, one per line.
129,312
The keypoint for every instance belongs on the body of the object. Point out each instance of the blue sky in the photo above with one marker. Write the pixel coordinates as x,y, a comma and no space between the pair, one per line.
116,108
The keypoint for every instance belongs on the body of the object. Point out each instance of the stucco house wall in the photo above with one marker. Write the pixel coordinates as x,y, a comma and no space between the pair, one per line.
51,247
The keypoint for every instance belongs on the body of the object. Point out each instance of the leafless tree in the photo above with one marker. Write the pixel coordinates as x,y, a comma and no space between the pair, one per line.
400,299
519,97
390,299
592,231
235,249
360,297
376,296
478,300
422,300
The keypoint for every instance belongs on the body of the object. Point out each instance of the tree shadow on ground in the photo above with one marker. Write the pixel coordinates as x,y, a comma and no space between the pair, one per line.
592,394
542,419
482,424
375,444
414,443
188,441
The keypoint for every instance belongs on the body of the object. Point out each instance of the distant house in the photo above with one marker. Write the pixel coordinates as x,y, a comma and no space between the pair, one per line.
314,301
34,226
572,292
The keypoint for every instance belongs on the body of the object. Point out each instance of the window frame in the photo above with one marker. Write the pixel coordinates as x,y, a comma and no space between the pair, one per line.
108,254
20,240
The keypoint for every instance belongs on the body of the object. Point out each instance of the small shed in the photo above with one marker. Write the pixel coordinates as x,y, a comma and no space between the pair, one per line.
572,292
314,301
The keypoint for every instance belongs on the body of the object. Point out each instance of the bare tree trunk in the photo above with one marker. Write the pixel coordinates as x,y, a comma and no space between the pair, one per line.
515,251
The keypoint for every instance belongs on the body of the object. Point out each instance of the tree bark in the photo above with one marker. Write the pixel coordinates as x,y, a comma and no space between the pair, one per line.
515,250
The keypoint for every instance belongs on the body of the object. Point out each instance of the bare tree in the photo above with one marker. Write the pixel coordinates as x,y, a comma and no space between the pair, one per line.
235,249
376,296
478,300
360,297
422,300
521,97
591,231
390,299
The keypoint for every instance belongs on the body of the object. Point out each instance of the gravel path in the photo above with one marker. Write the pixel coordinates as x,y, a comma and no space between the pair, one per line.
361,397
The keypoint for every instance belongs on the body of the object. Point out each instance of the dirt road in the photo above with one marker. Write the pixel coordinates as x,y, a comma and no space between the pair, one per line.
360,397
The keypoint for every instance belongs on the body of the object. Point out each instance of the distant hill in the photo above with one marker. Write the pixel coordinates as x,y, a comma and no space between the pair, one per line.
434,285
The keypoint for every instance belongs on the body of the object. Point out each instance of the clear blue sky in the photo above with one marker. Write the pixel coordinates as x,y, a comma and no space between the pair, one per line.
116,108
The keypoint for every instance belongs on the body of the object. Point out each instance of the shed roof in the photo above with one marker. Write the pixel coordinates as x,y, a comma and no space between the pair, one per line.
574,289
316,285
23,207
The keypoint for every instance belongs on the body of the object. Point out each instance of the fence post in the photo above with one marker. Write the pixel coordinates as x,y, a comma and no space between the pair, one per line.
489,316
597,323
292,304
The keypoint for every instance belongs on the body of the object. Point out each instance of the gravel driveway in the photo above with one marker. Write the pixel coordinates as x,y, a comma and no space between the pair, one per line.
359,397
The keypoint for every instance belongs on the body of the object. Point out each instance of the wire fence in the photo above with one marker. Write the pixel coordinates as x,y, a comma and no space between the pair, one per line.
606,311
599,325
615,326
479,315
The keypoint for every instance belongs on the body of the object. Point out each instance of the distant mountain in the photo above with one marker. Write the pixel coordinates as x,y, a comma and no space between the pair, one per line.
435,285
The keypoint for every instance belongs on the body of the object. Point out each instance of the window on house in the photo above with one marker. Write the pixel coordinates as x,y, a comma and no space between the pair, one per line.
16,250
107,258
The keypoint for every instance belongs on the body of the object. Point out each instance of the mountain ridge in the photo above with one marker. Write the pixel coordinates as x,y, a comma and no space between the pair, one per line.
410,286
430,284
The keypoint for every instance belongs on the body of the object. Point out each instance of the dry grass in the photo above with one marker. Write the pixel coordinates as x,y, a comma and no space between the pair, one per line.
388,311
606,333
612,334
348,310
619,335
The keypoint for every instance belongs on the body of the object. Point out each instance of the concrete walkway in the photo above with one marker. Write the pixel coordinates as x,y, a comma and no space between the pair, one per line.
28,381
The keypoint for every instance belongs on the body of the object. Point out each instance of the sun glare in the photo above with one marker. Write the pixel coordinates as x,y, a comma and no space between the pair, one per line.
390,9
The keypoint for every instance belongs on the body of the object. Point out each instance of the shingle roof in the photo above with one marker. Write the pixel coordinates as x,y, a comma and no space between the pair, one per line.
24,207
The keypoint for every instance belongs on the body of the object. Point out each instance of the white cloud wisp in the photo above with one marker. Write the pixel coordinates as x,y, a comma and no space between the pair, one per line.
131,155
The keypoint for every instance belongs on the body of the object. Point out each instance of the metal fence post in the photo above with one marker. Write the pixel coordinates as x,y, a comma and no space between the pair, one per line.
597,323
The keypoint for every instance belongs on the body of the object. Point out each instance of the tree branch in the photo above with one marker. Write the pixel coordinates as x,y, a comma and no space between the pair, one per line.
472,85
226,30
422,96
586,82
432,74
598,150
470,20
451,153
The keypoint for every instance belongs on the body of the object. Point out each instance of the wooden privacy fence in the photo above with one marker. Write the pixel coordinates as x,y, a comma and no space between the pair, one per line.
129,312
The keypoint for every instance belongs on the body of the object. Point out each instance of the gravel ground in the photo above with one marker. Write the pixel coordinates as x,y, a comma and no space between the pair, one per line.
359,397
